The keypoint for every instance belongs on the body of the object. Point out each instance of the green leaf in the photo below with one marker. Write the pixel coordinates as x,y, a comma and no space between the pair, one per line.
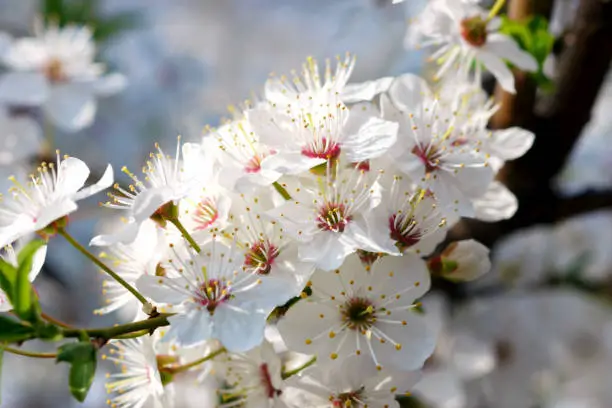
8,278
25,301
1,364
532,35
82,359
12,331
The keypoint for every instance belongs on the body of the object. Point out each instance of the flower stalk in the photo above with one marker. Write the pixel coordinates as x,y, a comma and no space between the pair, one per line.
101,265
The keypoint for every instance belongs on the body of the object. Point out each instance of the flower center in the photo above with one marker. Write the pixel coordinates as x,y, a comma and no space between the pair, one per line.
333,217
260,257
347,399
211,293
403,230
474,31
430,157
358,313
54,71
322,149
205,214
266,381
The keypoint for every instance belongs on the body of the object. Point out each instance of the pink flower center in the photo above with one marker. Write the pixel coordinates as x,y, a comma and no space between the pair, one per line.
322,149
430,157
347,399
266,381
260,257
205,214
211,293
333,217
403,230
474,31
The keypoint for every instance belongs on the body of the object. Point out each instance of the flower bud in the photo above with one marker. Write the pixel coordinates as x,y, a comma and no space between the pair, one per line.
461,261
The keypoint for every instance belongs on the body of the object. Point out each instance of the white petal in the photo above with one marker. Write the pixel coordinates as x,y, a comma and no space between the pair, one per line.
365,91
368,136
499,70
508,49
149,201
303,322
37,262
408,91
23,89
105,181
497,204
72,175
238,330
416,337
511,143
290,163
54,211
190,329
158,289
125,235
71,107
326,251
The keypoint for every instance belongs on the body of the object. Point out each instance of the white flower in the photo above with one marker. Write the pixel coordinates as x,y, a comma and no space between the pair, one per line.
369,313
305,135
254,379
10,255
138,383
268,251
435,152
410,218
167,180
241,145
354,382
47,197
218,299
462,261
131,261
56,70
466,36
308,87
20,138
328,220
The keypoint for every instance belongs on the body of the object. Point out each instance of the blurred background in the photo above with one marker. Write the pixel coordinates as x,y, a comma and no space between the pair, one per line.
535,332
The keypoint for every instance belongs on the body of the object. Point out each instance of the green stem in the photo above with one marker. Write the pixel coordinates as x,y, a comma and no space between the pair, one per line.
134,335
29,353
296,370
101,265
195,363
282,191
108,333
185,234
496,8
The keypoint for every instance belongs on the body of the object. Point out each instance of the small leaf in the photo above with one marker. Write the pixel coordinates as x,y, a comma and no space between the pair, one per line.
25,301
532,35
82,359
13,331
1,364
8,277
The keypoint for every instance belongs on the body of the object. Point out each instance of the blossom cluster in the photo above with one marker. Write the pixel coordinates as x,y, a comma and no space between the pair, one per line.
317,215
306,227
